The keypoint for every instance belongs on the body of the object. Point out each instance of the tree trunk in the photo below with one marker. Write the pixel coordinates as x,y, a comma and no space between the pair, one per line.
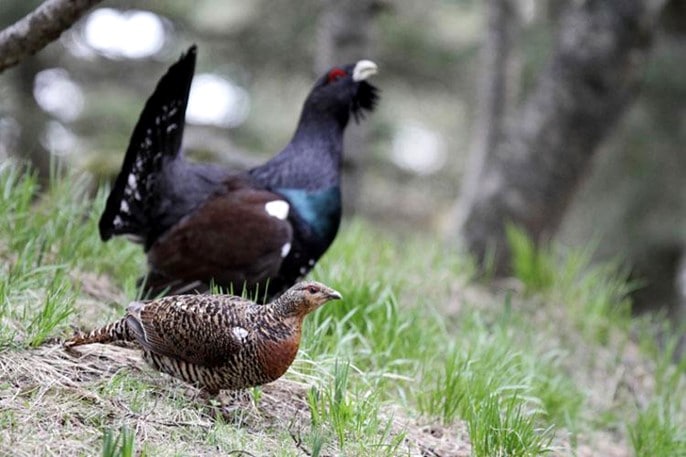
346,34
531,172
493,97
39,28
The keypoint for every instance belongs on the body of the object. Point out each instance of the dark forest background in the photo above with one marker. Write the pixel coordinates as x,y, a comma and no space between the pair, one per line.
565,118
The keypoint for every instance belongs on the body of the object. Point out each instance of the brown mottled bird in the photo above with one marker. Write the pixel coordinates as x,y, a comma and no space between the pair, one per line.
217,341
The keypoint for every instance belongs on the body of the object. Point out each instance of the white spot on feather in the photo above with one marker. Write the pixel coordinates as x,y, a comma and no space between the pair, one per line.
311,262
285,249
303,270
277,208
132,181
124,207
239,332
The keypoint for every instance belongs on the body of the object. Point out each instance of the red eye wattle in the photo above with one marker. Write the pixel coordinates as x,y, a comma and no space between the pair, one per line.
335,74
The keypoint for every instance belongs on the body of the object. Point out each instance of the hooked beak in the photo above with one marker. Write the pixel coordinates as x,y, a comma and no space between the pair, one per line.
334,295
363,70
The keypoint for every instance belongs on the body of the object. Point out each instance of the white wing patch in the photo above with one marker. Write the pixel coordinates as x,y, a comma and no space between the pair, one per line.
277,208
285,249
132,181
240,333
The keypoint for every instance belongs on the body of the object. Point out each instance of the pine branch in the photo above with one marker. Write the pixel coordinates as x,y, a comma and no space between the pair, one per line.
39,28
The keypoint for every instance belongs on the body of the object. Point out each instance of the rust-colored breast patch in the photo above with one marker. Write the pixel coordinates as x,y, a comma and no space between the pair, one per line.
278,356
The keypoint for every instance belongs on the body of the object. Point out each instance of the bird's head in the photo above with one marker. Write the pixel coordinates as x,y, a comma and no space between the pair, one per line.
344,90
305,297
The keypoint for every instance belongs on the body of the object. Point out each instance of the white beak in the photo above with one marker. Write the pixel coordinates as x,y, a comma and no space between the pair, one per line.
364,69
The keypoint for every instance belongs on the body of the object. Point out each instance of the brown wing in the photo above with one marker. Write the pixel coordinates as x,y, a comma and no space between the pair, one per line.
199,329
231,238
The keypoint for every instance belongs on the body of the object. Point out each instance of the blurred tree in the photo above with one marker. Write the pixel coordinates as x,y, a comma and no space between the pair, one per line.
497,62
31,119
531,172
633,203
21,39
346,33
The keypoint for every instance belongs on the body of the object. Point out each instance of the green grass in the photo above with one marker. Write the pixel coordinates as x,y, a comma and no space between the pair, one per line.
532,370
348,416
47,240
120,446
600,291
531,264
491,386
659,426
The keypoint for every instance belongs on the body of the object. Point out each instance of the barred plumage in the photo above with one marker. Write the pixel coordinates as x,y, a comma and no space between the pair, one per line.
217,341
116,331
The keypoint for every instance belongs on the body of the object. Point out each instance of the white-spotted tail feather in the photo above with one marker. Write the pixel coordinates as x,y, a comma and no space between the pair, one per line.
156,138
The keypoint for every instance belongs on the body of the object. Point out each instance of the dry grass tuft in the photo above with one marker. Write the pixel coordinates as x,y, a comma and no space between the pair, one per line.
58,402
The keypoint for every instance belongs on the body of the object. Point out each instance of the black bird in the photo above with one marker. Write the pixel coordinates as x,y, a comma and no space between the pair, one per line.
201,223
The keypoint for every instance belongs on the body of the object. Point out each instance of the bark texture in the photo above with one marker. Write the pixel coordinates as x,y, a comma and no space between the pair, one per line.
532,171
496,62
39,28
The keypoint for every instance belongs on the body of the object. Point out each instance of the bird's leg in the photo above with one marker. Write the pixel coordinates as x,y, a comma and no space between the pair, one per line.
235,405
202,395
219,407
228,397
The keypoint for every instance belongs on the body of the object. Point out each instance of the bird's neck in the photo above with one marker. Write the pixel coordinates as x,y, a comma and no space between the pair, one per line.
288,309
314,122
320,209
312,159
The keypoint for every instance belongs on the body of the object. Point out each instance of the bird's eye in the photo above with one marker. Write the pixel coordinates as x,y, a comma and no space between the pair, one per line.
313,290
335,74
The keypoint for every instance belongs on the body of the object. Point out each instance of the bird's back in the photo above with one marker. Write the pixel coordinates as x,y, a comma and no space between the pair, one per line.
181,188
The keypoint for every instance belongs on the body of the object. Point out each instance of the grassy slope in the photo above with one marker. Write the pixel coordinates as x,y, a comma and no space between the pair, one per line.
414,360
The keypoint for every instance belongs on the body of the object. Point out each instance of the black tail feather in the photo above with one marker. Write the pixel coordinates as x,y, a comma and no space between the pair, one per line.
157,136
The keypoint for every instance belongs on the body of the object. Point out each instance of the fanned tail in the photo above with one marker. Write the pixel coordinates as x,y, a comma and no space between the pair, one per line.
157,137
116,331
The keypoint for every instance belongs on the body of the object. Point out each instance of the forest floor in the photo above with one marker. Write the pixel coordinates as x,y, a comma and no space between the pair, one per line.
418,359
